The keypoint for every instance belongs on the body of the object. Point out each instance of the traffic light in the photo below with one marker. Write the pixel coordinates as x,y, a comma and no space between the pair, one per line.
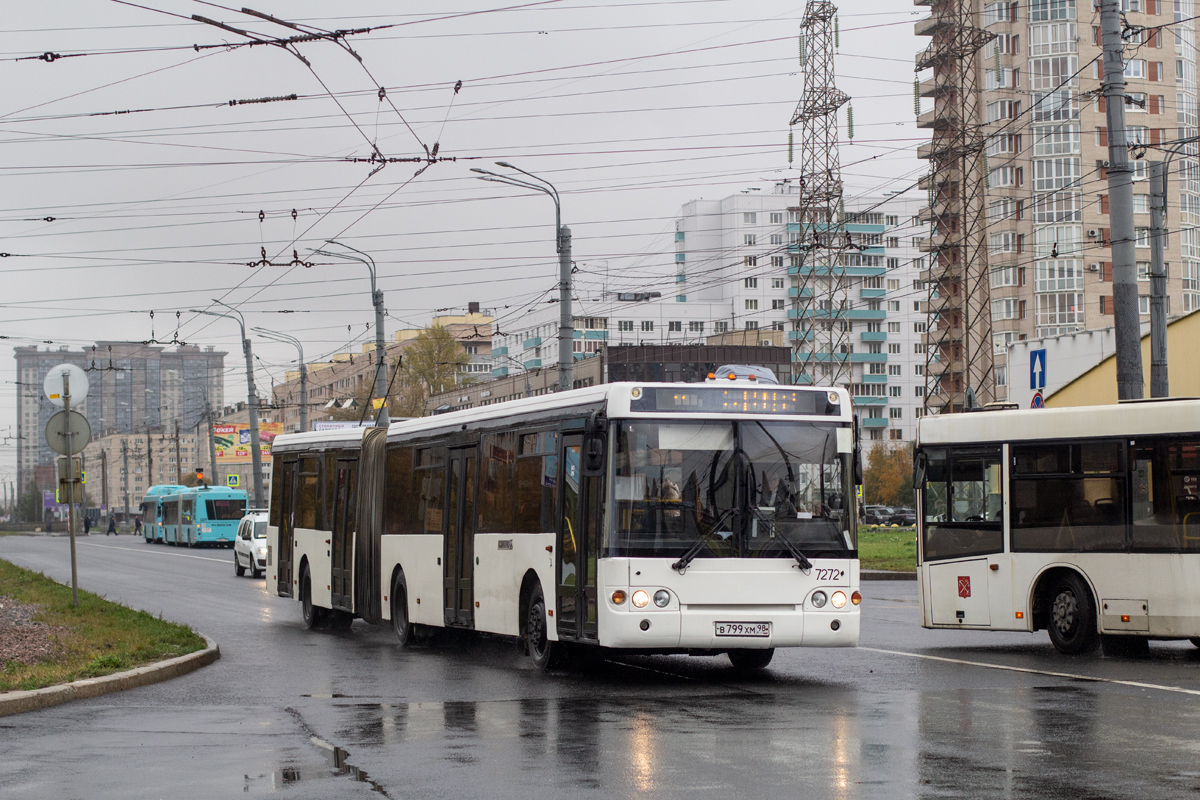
199,477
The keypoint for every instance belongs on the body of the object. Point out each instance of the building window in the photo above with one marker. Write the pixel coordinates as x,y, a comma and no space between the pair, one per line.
750,283
750,239
721,327
647,325
751,325
776,238
894,347
894,391
893,327
625,325
675,326
776,261
893,241
918,369
893,263
776,283
919,391
895,413
776,217
751,305
893,305
919,327
750,261
894,369
896,434
749,218
696,327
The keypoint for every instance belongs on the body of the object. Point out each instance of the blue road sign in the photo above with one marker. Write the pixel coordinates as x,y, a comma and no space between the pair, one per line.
231,481
1037,369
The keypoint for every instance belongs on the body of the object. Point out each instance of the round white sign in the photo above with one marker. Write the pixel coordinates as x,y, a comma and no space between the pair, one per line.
54,384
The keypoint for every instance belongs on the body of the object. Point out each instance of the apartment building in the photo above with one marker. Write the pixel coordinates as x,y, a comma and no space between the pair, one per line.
1046,139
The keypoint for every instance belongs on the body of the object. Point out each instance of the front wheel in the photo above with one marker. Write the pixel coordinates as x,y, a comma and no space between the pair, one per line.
1072,616
751,659
238,569
400,622
535,632
255,572
313,616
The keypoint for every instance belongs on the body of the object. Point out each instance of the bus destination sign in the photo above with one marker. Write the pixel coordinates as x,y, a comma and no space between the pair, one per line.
733,400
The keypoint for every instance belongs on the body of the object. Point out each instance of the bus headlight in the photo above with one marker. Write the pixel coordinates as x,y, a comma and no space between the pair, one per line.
818,599
618,598
661,598
838,599
640,598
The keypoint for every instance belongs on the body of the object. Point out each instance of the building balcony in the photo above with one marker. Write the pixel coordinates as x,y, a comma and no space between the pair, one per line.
860,400
800,336
499,351
874,379
872,294
869,358
499,372
930,25
532,363
874,422
534,342
800,291
874,336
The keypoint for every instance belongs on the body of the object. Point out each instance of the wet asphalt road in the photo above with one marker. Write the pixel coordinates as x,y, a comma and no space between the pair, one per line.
911,713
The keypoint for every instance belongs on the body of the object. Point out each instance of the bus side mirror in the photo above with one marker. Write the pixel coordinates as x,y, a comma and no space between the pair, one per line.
919,464
594,449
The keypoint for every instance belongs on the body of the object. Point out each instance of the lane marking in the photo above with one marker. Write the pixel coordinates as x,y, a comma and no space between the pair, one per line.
1030,671
155,552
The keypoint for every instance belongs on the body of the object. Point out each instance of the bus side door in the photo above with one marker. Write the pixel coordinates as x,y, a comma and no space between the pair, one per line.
458,571
578,543
342,549
287,521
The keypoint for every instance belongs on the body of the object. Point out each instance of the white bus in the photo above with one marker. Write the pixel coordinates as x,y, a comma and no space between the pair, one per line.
665,518
1084,522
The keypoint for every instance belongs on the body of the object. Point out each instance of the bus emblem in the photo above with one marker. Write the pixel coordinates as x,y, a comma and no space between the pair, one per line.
964,586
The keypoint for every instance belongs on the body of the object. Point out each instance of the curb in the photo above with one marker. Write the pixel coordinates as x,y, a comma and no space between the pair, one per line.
886,575
19,702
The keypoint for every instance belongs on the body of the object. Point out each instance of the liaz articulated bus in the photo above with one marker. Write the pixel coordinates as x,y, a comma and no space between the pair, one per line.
1084,522
203,516
152,510
662,518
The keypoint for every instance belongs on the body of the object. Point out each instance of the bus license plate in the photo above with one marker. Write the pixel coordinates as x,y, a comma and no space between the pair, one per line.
754,629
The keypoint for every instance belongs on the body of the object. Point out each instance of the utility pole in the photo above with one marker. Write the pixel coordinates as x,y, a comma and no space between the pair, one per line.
1120,208
1159,386
104,480
150,455
72,478
125,469
212,445
566,326
178,463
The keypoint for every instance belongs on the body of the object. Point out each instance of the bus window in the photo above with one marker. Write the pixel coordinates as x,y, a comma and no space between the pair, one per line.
401,509
308,500
276,491
433,487
225,509
497,497
1068,498
962,504
1166,495
536,483
188,511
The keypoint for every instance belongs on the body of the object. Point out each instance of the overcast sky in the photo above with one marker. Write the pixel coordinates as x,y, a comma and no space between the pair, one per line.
630,108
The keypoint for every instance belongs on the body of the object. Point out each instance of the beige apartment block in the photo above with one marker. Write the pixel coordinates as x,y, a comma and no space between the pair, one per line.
1046,196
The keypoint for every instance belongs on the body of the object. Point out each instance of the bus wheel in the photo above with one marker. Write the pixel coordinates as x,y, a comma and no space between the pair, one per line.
751,659
313,616
537,642
400,622
1072,616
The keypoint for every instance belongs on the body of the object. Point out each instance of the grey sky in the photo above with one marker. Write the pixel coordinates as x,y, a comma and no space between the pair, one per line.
630,108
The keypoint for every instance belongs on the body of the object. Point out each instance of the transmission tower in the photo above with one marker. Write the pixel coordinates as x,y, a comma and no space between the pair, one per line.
959,340
820,326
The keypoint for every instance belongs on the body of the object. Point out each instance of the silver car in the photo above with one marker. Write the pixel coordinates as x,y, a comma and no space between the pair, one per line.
250,546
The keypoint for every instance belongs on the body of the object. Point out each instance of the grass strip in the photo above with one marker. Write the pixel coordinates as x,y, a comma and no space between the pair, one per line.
887,548
97,638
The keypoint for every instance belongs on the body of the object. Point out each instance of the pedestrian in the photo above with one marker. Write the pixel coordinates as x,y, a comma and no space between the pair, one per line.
137,526
87,525
112,527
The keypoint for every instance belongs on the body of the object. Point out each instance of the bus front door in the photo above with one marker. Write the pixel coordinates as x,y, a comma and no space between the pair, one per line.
458,569
287,519
578,544
342,546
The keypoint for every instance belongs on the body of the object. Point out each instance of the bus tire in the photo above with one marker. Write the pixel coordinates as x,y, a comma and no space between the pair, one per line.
314,617
1072,618
401,624
238,569
751,659
538,646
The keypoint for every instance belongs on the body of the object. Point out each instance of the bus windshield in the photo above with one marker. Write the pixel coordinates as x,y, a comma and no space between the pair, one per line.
226,509
739,487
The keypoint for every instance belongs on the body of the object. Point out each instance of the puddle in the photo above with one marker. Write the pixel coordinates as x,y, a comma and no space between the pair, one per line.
338,761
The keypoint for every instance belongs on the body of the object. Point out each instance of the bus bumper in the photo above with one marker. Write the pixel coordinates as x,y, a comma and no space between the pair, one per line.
702,628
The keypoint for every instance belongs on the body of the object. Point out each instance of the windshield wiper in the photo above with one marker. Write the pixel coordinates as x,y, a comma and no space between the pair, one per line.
695,549
789,545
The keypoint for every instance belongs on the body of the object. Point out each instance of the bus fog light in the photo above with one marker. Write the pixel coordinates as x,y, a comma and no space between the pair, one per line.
644,625
833,626
818,599
618,598
640,598
838,599
856,598
661,598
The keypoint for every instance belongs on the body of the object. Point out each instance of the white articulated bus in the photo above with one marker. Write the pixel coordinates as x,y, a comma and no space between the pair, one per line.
669,518
1084,522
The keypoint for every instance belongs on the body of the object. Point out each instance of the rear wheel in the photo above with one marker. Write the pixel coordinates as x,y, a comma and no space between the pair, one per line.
535,631
1072,616
238,569
751,659
313,616
400,622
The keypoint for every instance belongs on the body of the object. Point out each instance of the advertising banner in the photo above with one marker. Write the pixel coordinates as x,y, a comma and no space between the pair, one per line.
232,442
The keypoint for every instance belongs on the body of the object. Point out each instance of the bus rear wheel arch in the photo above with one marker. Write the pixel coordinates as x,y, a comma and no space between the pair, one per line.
1065,607
314,616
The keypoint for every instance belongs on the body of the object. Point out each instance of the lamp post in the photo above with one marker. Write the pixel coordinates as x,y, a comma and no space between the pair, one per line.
251,398
566,330
283,337
381,421
528,391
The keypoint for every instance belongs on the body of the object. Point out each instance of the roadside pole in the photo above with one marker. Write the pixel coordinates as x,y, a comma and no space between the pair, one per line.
1159,385
71,487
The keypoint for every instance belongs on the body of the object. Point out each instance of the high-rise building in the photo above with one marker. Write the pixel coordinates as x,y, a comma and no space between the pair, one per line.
1045,140
132,387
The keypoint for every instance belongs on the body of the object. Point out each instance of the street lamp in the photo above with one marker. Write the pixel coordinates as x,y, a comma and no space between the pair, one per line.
251,398
283,337
528,391
566,331
381,421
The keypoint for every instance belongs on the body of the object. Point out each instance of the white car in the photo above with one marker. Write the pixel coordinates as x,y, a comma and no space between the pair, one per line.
250,546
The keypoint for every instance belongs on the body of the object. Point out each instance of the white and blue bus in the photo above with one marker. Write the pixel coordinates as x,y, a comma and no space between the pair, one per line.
203,516
152,510
657,518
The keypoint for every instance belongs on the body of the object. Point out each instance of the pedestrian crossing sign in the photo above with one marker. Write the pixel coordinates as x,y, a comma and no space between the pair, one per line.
232,481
